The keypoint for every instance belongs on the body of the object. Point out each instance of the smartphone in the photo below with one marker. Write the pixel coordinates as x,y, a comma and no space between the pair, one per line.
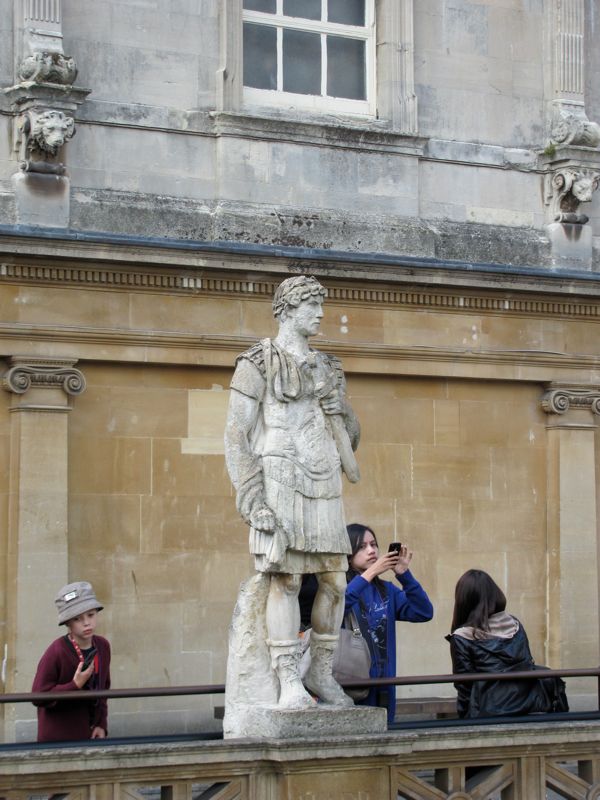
395,547
89,658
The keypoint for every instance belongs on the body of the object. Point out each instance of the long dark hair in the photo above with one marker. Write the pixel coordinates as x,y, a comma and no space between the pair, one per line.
356,533
476,597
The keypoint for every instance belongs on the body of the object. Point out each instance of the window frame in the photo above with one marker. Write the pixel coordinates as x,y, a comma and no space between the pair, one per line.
279,98
395,100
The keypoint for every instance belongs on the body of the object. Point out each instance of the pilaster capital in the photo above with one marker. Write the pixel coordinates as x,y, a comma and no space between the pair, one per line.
562,397
43,373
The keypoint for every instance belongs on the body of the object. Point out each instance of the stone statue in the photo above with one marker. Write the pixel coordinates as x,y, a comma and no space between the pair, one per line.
290,433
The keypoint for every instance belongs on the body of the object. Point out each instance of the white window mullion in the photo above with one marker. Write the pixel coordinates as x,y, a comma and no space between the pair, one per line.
324,10
323,64
279,58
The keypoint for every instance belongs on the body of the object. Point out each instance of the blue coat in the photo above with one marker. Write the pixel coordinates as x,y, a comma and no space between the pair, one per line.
409,604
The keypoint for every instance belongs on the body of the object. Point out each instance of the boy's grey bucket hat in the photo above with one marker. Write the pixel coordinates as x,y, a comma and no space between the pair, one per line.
75,599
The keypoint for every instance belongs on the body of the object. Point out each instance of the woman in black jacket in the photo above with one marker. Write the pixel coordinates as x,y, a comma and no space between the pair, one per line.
485,638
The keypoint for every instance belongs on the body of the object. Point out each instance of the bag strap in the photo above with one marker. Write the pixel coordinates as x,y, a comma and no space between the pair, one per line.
351,622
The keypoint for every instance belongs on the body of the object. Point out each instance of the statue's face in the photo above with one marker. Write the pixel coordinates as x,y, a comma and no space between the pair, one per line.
306,318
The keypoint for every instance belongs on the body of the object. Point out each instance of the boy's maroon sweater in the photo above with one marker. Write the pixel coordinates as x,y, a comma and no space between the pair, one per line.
70,720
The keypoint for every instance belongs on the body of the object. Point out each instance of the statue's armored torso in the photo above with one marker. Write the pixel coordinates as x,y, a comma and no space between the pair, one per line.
300,461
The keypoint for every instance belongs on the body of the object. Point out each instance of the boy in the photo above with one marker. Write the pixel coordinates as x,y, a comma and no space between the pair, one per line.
64,668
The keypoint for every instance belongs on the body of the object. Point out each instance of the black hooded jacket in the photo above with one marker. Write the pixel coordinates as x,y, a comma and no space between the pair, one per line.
500,698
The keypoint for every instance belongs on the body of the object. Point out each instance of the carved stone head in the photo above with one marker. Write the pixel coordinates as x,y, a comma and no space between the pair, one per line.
584,186
292,291
49,131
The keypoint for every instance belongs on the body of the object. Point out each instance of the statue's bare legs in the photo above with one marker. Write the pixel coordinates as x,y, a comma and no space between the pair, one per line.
283,624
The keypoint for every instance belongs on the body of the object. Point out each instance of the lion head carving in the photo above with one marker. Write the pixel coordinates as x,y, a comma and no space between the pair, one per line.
49,130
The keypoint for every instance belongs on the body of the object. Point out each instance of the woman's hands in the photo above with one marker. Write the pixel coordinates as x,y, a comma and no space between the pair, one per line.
82,676
404,558
397,560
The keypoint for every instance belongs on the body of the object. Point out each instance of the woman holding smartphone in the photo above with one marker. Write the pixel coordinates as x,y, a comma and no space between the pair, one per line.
379,604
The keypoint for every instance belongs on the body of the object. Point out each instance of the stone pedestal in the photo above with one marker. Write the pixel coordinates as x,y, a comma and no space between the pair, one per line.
42,200
321,721
571,245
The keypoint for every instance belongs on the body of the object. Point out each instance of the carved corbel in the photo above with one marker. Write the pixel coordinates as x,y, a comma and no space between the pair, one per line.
44,101
558,399
40,136
566,189
574,130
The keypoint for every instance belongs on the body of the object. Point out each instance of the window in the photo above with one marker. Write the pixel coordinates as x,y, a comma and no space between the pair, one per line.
315,54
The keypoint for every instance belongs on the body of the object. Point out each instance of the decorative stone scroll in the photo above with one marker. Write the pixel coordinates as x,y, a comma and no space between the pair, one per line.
44,67
46,373
560,398
567,189
574,129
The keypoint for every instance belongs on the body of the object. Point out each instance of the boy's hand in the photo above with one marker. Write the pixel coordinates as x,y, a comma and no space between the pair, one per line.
82,676
98,733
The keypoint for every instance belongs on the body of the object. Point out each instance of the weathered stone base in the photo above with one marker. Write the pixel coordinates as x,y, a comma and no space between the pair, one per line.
571,245
42,200
277,723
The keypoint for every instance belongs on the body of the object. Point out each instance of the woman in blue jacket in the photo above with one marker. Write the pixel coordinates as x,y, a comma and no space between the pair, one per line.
378,604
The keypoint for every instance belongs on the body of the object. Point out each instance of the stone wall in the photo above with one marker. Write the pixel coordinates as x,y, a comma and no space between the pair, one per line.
456,455
153,130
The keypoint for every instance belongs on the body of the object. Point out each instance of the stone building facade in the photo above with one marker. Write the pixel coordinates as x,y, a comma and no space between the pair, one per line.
163,164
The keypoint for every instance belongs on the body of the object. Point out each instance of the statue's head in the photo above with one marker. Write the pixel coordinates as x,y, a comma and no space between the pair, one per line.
293,291
50,130
584,186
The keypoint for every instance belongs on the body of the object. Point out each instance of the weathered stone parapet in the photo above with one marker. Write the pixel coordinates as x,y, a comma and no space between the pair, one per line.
521,761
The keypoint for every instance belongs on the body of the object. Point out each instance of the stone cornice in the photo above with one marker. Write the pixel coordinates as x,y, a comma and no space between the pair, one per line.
49,373
207,284
561,397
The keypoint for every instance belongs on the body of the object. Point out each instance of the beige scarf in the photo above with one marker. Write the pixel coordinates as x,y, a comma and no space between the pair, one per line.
502,626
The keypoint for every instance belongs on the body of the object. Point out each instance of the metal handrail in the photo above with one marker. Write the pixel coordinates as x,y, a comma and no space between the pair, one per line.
219,688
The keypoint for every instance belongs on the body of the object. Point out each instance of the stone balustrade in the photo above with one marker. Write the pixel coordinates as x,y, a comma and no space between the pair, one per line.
517,761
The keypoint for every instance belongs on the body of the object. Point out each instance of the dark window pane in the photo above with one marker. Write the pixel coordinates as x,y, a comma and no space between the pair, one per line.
306,9
301,62
267,6
260,56
346,68
348,12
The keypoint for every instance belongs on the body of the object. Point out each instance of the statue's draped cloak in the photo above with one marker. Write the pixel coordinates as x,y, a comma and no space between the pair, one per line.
295,466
